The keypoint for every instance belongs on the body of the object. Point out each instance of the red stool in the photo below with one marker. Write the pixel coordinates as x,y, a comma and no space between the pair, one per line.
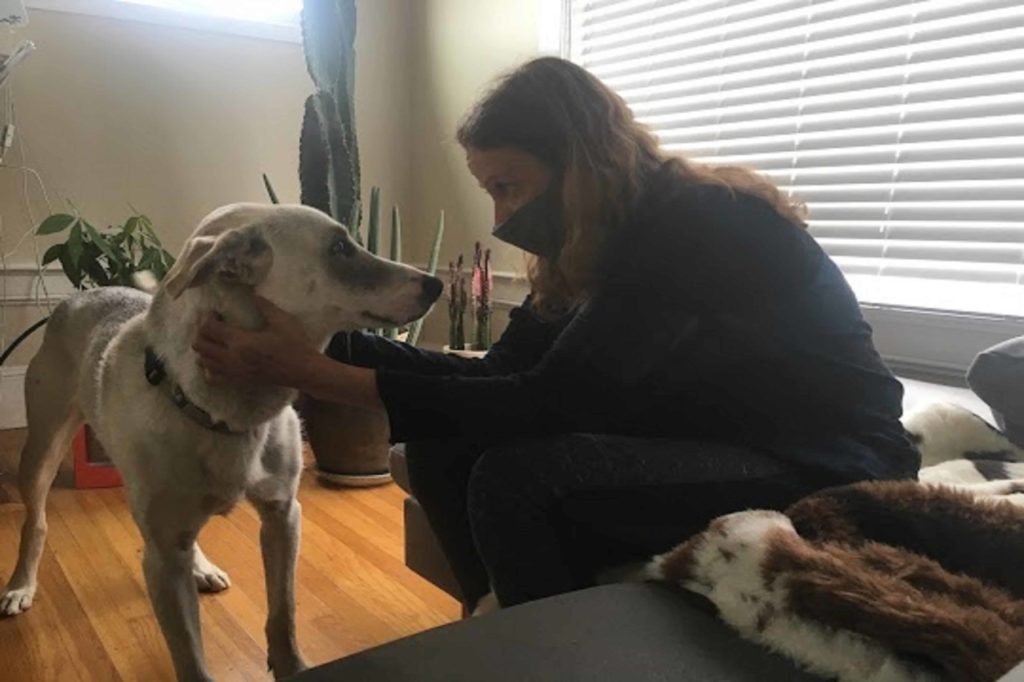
96,471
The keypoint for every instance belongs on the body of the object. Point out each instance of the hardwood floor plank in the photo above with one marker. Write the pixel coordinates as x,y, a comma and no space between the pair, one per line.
43,653
335,520
62,611
92,619
106,593
228,647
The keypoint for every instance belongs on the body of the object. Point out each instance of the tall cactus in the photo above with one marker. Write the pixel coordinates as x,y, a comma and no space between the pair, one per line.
328,151
373,228
329,171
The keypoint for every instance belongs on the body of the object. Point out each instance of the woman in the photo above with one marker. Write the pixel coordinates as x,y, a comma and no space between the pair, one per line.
687,351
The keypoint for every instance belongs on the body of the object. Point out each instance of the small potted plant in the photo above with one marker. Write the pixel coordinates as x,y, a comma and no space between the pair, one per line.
92,258
481,284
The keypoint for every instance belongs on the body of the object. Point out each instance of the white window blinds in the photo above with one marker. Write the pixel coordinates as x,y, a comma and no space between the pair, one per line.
900,123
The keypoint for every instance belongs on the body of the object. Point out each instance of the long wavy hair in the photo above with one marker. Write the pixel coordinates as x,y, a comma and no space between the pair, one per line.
586,133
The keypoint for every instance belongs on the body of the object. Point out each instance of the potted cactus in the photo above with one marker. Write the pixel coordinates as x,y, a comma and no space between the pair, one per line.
350,445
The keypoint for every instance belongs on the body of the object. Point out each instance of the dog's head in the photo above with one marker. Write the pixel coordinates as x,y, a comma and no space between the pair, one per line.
305,263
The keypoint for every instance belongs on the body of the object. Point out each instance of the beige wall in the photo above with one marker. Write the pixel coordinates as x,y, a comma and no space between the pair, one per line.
177,122
462,45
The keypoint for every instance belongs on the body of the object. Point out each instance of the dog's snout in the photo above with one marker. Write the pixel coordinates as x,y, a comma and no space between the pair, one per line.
432,288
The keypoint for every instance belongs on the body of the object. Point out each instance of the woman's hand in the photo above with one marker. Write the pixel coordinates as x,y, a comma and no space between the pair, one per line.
279,354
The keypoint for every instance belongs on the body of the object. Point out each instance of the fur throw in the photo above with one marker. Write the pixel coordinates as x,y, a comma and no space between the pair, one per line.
816,585
880,581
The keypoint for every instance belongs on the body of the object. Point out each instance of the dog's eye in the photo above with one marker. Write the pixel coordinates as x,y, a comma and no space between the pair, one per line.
342,247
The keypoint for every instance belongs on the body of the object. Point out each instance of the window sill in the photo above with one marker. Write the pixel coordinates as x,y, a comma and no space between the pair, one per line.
934,345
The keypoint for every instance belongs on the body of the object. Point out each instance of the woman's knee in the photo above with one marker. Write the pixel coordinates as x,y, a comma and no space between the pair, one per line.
525,471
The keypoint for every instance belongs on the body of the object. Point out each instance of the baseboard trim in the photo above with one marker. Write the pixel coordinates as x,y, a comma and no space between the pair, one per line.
20,282
12,398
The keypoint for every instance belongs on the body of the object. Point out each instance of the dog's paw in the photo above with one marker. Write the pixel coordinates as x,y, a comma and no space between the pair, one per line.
16,600
208,577
286,665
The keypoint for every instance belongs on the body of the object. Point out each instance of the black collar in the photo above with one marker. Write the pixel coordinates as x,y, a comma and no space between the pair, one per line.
155,375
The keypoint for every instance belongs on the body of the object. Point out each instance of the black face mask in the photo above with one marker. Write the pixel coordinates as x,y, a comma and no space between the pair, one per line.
536,227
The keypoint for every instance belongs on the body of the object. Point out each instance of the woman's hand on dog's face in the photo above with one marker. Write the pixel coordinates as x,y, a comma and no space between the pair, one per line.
279,354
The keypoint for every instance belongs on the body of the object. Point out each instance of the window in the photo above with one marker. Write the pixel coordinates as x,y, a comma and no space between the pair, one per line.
899,122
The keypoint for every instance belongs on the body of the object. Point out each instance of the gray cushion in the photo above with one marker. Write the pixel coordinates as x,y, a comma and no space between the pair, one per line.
616,633
997,376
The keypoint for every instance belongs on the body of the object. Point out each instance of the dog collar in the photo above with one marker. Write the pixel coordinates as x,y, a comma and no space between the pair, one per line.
155,375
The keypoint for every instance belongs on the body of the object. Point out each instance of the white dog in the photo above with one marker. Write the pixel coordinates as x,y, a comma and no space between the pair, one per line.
122,361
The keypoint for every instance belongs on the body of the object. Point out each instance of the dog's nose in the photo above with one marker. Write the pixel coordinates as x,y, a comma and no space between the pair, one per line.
432,288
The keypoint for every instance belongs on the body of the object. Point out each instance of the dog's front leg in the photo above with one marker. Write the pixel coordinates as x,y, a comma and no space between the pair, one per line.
172,590
279,539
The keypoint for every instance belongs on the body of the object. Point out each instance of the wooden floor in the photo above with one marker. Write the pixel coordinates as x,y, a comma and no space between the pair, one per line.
91,619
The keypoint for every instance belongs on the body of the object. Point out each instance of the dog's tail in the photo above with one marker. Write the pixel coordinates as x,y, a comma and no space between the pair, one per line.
145,280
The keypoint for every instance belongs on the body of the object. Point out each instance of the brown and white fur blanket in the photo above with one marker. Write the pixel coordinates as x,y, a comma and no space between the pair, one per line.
881,581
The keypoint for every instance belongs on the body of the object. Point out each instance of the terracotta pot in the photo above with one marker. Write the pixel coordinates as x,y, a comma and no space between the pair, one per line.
350,445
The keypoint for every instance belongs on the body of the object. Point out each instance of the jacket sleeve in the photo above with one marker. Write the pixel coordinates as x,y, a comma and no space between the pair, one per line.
598,363
525,340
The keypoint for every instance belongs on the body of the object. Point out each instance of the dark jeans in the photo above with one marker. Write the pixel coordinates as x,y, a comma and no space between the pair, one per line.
539,517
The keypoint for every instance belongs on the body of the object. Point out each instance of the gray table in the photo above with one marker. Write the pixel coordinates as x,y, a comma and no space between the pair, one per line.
627,633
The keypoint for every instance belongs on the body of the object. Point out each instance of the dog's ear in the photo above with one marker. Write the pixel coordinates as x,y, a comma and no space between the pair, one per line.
236,255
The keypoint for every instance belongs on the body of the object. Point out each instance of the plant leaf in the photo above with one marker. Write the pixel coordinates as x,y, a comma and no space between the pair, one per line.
373,230
58,222
75,244
435,252
102,244
73,274
148,258
52,253
353,222
396,235
91,266
270,190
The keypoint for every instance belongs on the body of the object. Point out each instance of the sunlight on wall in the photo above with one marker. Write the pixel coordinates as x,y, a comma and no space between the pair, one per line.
283,12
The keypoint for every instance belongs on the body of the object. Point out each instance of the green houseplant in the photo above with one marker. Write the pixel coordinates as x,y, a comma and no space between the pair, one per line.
93,258
350,445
